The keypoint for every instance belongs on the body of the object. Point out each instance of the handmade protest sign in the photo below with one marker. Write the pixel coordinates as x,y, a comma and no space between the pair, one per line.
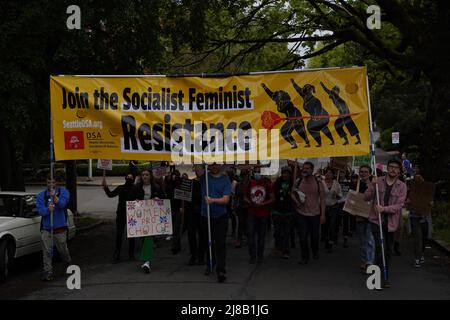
359,161
184,190
149,218
105,164
304,113
340,163
159,170
421,195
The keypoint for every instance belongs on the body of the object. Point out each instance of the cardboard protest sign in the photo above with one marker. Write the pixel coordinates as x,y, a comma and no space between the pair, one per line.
421,195
159,170
105,164
149,218
184,190
340,163
359,161
355,204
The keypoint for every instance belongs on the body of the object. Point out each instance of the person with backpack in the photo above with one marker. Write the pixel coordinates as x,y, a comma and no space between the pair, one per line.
53,201
309,201
259,196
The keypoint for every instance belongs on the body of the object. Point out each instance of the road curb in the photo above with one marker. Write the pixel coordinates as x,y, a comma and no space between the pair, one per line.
442,245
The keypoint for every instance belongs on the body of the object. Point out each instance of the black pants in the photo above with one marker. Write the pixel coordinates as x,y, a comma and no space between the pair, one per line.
242,222
329,228
309,228
389,245
195,235
219,227
176,237
348,223
282,225
233,219
256,235
419,231
121,223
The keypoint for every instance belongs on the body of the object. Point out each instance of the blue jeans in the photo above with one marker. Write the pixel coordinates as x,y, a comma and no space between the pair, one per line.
367,242
256,235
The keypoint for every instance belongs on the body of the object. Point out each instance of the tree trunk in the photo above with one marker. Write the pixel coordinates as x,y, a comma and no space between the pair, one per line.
71,185
11,174
435,144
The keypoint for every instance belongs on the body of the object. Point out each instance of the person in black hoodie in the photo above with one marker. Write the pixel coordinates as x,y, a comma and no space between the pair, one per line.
125,193
173,182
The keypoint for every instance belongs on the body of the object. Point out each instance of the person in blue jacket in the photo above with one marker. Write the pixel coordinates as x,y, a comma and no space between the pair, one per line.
53,201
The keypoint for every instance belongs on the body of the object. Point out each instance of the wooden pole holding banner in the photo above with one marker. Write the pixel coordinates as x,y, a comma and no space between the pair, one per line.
372,154
51,189
209,221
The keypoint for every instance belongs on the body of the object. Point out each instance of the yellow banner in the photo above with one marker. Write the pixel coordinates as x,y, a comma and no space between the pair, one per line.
279,115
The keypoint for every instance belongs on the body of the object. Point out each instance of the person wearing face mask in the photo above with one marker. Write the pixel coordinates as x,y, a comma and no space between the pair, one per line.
125,193
309,203
259,195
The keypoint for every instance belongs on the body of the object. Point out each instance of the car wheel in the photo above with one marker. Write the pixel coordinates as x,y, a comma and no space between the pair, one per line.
5,260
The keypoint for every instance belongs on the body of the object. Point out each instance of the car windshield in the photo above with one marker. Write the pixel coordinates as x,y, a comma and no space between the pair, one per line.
10,205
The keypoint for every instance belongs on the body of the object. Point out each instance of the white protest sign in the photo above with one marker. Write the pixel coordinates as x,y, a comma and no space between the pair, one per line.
105,164
149,218
159,170
395,137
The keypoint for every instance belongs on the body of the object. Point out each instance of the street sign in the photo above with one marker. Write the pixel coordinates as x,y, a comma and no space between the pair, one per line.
395,137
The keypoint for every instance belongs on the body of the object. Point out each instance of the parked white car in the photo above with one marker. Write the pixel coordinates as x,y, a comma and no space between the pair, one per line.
20,226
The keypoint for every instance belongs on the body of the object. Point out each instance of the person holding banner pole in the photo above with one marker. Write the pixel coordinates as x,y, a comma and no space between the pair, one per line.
216,192
385,215
146,190
125,193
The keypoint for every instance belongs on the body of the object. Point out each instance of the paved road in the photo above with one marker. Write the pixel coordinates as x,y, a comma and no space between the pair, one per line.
334,276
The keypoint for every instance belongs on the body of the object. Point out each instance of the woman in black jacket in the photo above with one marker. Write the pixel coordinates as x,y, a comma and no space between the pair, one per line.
125,193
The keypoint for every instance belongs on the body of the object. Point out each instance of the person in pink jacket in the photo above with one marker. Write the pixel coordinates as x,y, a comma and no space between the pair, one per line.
392,193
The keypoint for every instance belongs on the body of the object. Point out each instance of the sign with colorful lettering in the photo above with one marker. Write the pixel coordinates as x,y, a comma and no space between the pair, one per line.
149,218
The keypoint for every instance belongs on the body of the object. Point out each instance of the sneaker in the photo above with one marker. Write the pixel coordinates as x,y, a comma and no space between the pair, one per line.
146,267
207,271
221,277
416,263
286,256
191,261
168,238
303,262
47,276
345,245
422,260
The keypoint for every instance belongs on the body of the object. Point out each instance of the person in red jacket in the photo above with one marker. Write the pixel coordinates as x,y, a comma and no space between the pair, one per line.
392,196
258,194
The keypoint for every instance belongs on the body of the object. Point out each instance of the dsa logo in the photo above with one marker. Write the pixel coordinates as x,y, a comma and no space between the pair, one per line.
74,140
